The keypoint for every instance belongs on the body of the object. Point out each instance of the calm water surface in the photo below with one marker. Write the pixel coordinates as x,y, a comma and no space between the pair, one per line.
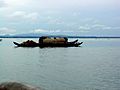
93,66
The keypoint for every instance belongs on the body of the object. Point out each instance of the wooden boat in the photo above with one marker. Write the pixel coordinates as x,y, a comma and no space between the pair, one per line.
45,41
34,44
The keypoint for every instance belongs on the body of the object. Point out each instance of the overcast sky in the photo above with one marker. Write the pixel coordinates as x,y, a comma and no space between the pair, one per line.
73,17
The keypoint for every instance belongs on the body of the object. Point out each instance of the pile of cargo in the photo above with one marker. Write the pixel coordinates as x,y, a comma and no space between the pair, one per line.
28,42
53,40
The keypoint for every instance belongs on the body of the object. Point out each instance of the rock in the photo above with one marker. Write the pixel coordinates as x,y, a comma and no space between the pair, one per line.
17,86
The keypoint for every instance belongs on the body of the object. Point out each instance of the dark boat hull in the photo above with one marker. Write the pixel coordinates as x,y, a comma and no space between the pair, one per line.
68,44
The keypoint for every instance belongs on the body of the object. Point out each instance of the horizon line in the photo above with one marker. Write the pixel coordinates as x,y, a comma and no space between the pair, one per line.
61,36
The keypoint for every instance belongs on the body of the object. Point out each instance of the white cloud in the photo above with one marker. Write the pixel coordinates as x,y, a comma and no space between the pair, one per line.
16,3
84,28
57,31
118,28
24,15
5,30
40,31
45,31
104,27
76,3
18,14
2,3
94,27
54,4
32,16
107,28
98,26
55,21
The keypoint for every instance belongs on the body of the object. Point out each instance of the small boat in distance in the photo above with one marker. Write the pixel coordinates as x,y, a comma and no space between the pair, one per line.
49,42
0,39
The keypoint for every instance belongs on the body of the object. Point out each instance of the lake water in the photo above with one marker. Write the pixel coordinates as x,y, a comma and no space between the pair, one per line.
93,66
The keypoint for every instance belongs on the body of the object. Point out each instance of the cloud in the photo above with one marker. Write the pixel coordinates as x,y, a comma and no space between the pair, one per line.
60,4
98,26
56,31
84,27
2,3
39,31
24,15
94,27
45,31
16,3
56,21
104,27
117,28
76,3
5,30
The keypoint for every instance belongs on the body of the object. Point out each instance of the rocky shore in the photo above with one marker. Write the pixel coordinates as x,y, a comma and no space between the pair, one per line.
17,86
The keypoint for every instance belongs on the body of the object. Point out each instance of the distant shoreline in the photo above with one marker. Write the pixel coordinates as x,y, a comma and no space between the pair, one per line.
60,36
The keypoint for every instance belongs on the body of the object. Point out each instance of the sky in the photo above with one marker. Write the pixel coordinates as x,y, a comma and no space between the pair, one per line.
64,17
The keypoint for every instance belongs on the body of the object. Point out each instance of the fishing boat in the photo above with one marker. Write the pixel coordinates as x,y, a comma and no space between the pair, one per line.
49,42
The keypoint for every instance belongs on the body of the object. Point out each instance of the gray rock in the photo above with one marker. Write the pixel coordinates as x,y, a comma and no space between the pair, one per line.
17,86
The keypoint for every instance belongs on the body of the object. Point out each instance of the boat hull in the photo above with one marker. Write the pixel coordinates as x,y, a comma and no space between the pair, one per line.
68,44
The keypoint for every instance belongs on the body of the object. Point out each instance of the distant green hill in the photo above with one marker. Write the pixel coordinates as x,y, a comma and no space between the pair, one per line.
37,35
